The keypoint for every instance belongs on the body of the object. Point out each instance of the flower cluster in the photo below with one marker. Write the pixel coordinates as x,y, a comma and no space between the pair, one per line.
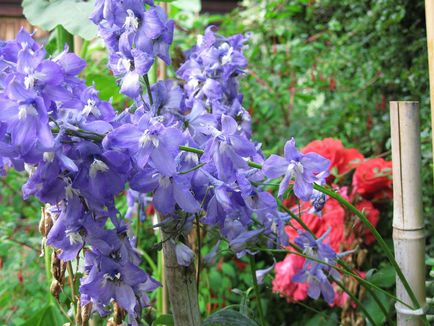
51,124
371,180
188,148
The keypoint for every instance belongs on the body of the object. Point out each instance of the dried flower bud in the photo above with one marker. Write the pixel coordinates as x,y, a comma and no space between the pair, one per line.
55,288
78,313
46,221
361,256
86,311
118,313
58,267
110,322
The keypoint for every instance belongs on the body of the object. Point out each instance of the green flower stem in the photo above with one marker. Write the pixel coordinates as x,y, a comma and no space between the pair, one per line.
378,237
256,287
71,281
193,169
159,270
199,256
64,37
148,88
47,256
362,281
191,150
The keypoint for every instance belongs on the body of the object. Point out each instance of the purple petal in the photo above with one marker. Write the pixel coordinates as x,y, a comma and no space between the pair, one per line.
275,166
163,161
284,184
125,297
152,23
229,125
302,189
163,199
184,255
184,198
291,152
131,84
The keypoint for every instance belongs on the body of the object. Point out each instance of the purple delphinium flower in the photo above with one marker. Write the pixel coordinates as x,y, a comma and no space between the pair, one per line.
169,190
130,68
228,149
210,257
315,273
305,168
184,255
108,280
150,140
261,273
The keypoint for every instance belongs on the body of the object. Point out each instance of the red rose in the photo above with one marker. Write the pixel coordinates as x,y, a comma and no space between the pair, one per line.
282,283
341,159
372,214
373,179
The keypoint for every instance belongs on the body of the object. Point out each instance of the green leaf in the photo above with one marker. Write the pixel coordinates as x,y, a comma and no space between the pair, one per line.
164,320
323,319
72,15
228,317
47,315
384,277
374,310
187,5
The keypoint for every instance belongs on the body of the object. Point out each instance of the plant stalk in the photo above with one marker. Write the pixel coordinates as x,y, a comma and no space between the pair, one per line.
257,292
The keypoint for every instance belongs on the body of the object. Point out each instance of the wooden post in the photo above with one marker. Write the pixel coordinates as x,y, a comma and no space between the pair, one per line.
429,17
181,285
408,223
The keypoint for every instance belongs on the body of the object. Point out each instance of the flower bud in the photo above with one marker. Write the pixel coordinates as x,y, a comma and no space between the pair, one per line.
361,257
46,221
118,313
184,255
55,288
78,313
86,311
58,267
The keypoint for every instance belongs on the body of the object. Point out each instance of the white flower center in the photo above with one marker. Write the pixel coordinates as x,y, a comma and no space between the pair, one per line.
97,166
29,81
192,157
48,156
131,22
91,107
124,63
74,237
26,110
296,167
165,182
108,277
147,138
228,56
71,192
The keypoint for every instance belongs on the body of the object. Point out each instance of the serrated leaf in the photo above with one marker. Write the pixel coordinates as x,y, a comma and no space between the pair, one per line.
228,317
73,15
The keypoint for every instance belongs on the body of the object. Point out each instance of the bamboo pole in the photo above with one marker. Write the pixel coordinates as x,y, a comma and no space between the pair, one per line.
408,223
429,18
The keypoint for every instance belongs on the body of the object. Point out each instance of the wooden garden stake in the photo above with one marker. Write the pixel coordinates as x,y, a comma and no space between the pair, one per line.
429,17
181,284
408,223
